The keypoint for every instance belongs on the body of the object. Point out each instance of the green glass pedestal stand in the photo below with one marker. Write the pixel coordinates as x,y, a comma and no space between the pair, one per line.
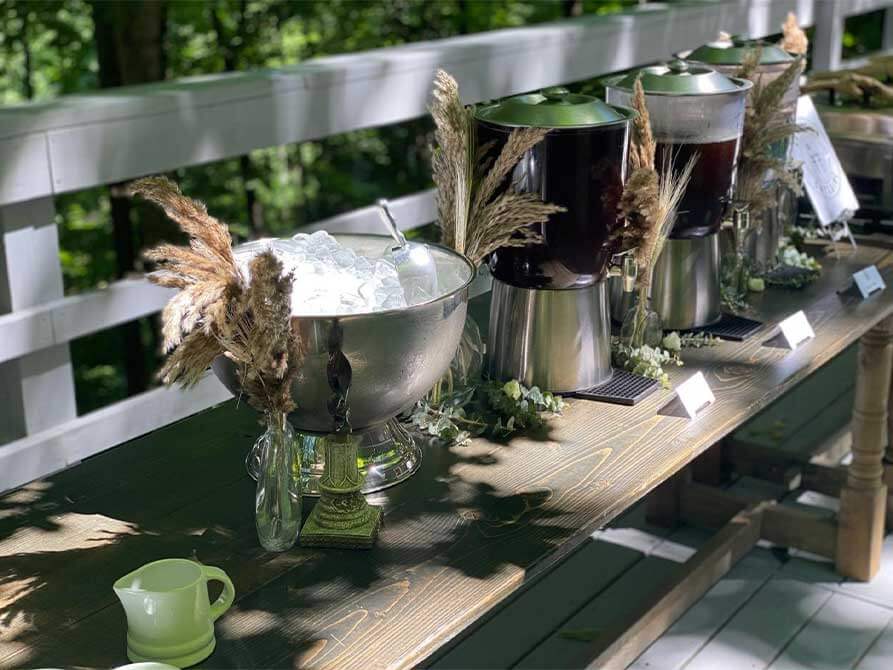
342,518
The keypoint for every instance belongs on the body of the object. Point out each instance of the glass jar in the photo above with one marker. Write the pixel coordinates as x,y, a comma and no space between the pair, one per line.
642,325
277,503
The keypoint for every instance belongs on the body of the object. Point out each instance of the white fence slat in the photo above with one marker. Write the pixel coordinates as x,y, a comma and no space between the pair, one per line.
56,448
24,332
26,169
36,390
410,212
121,302
103,138
887,35
828,47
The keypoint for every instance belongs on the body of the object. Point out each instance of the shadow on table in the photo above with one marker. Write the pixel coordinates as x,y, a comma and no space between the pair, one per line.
64,541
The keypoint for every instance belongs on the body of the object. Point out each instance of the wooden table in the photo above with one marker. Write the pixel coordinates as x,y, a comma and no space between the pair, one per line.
470,529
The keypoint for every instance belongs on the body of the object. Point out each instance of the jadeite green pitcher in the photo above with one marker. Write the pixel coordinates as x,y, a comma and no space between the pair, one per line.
170,618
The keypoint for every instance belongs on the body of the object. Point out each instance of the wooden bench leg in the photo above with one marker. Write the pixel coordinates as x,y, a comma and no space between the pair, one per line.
888,475
863,499
888,457
663,505
708,468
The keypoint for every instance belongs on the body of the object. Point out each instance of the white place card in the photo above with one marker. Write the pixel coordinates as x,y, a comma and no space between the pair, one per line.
868,280
694,394
796,329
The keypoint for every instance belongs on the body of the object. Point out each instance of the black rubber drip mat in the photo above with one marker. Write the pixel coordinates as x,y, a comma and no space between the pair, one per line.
624,388
730,327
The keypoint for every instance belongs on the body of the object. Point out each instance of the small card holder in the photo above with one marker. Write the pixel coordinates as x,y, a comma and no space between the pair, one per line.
868,281
695,394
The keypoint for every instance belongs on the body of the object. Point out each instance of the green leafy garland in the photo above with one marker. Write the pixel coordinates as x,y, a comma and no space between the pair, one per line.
490,409
794,270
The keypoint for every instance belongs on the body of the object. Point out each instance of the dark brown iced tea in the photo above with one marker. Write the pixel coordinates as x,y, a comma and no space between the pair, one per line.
702,207
582,170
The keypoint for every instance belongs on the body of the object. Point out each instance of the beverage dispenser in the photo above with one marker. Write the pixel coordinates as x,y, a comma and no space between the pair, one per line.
727,56
695,111
549,318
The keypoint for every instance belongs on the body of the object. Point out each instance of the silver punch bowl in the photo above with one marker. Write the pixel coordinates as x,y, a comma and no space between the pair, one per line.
394,358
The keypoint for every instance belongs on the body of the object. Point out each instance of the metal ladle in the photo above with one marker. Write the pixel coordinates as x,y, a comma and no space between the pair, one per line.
414,262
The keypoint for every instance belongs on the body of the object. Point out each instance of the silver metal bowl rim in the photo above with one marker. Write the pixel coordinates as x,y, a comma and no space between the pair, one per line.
472,273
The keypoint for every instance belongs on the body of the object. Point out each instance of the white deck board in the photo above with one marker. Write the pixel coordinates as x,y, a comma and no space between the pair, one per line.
694,629
880,589
836,637
880,655
763,627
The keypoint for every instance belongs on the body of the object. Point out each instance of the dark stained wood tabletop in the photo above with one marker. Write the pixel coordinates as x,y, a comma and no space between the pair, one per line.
467,531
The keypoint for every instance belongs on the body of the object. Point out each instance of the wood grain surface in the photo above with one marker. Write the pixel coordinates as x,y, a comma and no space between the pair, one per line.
471,529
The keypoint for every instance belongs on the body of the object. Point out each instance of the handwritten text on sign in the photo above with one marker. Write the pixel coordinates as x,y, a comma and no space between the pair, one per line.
796,329
694,394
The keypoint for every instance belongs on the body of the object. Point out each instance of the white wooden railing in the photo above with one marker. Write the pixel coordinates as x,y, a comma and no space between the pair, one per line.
77,142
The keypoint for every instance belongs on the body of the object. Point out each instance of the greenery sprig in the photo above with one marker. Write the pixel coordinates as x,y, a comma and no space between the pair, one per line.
489,409
644,360
650,361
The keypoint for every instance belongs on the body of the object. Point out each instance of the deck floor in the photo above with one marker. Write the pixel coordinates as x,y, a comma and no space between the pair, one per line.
775,609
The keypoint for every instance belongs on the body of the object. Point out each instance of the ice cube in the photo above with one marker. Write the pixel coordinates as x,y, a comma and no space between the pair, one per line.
417,295
352,302
367,290
363,266
394,302
345,258
384,269
319,237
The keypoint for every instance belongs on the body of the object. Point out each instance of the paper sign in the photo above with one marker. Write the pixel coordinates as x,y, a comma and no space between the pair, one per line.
826,183
796,329
868,280
694,394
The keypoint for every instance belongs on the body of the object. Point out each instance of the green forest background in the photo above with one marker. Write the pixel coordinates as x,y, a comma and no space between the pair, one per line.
50,48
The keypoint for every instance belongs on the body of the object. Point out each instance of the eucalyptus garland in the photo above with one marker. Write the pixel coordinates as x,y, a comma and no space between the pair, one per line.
649,361
489,409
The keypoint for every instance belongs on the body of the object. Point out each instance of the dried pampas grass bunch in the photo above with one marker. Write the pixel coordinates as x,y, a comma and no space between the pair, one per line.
649,203
640,202
764,128
217,311
793,39
258,337
475,215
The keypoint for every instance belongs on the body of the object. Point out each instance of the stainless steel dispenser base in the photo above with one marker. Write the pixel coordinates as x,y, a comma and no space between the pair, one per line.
559,340
685,287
